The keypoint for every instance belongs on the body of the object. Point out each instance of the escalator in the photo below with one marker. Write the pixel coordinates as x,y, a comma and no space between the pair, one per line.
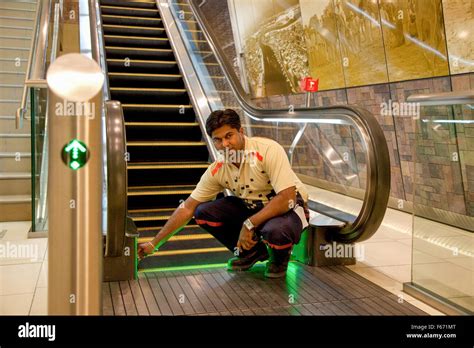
162,64
166,154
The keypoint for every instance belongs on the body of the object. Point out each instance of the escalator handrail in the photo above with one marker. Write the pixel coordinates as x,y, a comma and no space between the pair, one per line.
445,98
378,161
115,169
116,180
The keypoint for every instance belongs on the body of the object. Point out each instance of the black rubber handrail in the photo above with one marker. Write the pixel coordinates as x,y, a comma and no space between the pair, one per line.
116,180
378,161
117,184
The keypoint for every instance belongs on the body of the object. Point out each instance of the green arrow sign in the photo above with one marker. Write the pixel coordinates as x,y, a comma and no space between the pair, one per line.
75,154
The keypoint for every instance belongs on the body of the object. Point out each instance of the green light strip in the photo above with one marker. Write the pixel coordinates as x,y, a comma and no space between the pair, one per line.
135,266
182,268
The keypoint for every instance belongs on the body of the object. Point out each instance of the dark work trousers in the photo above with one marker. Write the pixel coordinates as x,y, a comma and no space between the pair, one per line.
223,218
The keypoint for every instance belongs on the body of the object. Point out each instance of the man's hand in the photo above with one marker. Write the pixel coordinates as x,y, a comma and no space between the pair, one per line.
246,240
145,249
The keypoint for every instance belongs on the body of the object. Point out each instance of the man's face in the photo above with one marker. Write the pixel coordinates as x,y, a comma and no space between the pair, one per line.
228,138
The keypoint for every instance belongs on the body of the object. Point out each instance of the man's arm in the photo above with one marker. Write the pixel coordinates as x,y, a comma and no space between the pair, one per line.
180,217
280,204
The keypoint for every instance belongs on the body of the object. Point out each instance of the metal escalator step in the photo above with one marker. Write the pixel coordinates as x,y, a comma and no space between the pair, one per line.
136,51
132,3
160,190
188,251
201,236
188,230
158,165
143,66
156,106
133,30
175,80
178,245
115,19
145,75
132,41
159,213
144,63
166,143
180,238
125,10
161,124
152,263
161,91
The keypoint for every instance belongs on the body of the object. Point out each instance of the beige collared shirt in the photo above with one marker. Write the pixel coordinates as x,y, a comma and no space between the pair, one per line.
263,173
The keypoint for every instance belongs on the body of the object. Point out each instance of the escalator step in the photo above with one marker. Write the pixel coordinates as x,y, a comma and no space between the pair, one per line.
176,238
166,143
126,52
133,30
131,20
162,131
130,11
166,125
169,165
156,173
167,152
189,246
143,95
181,109
132,3
169,81
143,66
188,230
209,256
136,41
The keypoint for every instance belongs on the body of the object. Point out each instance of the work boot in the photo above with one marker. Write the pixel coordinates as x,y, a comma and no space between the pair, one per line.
278,263
248,258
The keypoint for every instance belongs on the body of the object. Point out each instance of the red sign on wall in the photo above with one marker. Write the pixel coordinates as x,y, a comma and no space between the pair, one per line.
308,84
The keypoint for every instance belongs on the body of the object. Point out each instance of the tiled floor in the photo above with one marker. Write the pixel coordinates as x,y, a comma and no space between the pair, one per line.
389,253
387,259
22,289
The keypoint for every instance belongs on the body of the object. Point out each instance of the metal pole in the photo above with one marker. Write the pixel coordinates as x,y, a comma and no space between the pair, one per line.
308,99
75,187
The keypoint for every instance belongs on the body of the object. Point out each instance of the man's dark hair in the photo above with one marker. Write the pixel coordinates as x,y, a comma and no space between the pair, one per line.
220,118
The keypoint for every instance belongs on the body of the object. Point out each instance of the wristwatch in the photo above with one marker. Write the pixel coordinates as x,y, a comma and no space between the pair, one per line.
249,225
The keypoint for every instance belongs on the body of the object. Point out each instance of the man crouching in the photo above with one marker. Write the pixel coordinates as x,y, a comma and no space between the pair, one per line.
267,212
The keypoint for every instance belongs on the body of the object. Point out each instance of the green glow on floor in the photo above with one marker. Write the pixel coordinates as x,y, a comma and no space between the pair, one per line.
183,268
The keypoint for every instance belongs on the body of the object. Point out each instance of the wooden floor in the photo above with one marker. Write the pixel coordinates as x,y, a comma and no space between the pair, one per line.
305,291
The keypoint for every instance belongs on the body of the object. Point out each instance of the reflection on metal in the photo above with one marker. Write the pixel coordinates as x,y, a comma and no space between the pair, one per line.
85,28
448,121
98,54
42,207
74,197
86,74
447,217
434,300
448,98
295,142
